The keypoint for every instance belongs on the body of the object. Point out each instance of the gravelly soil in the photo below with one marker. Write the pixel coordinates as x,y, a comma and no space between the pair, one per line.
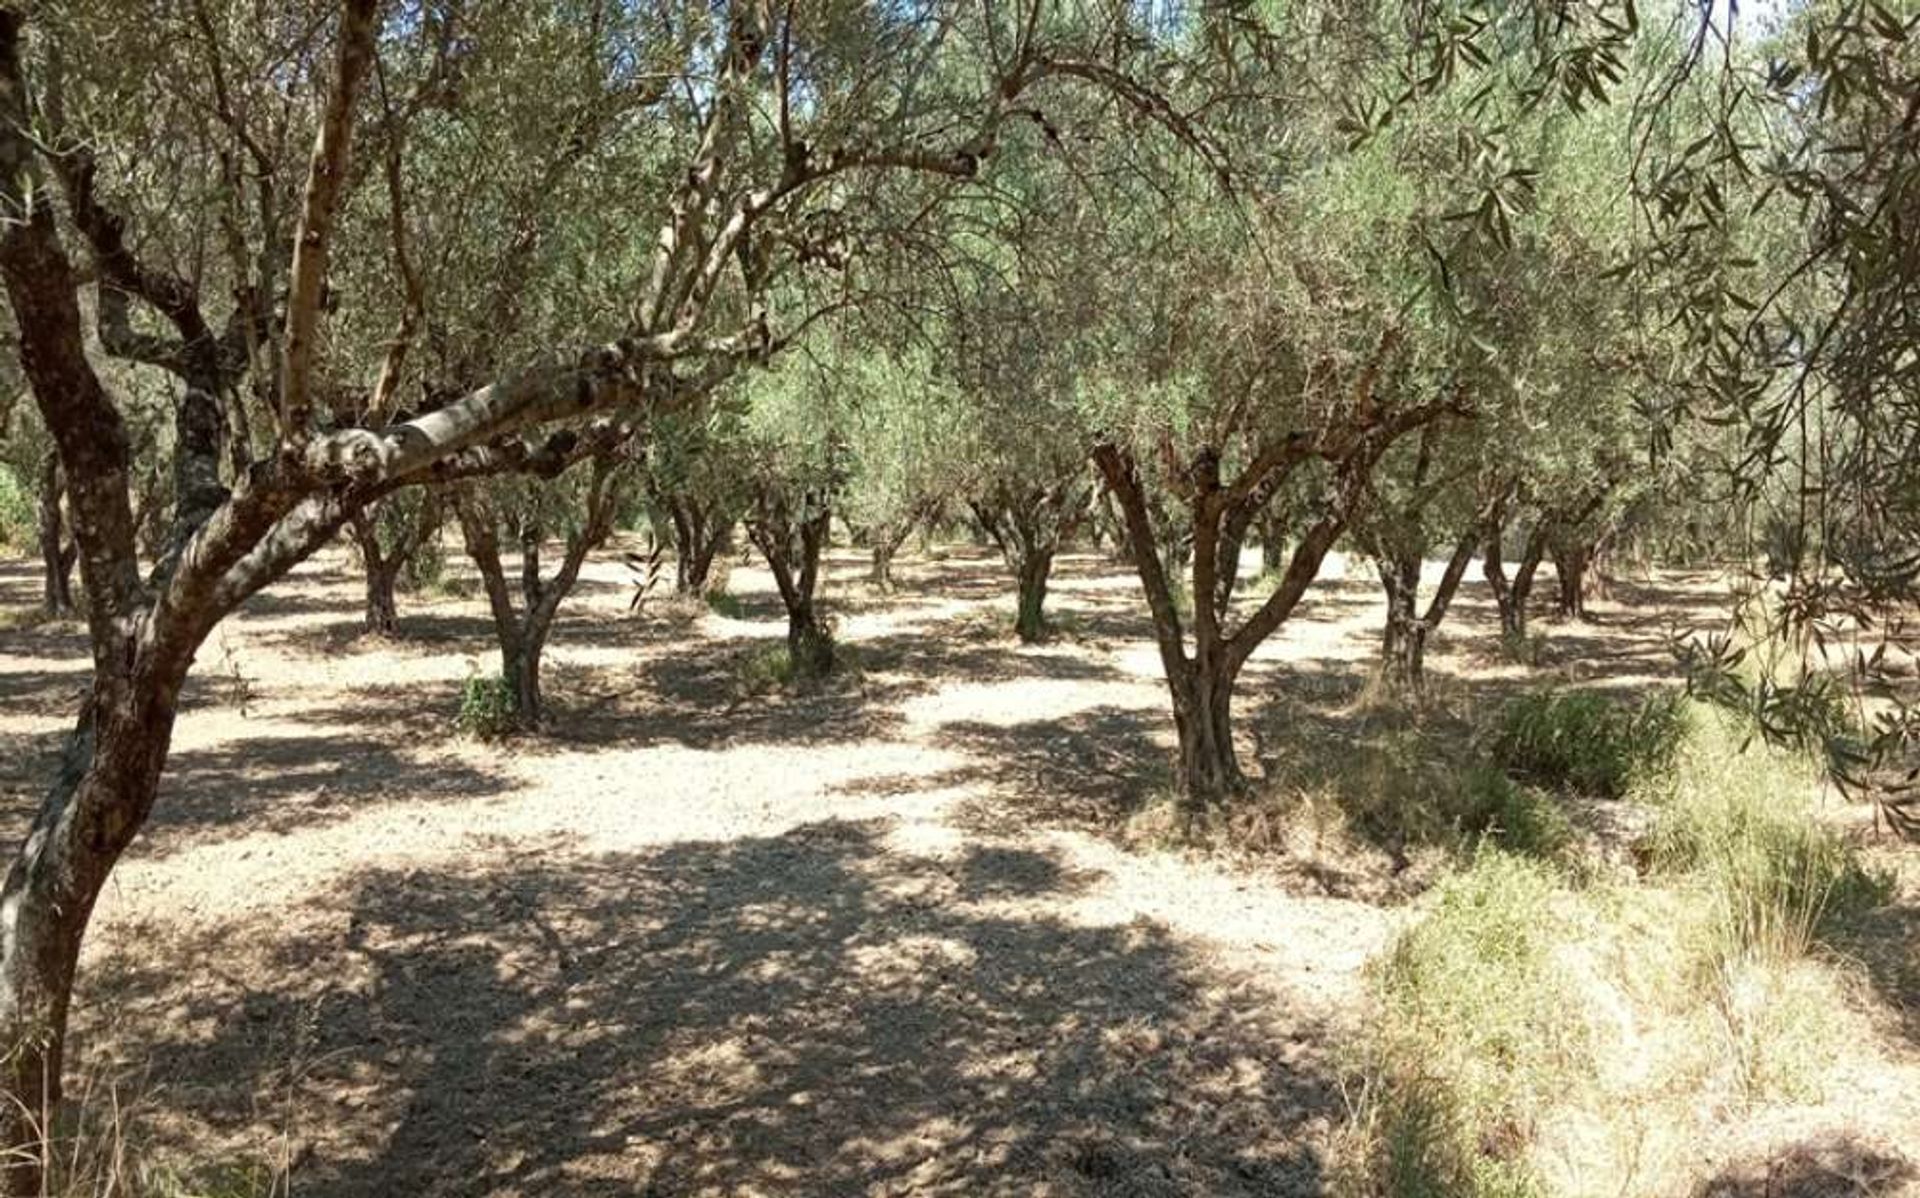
873,940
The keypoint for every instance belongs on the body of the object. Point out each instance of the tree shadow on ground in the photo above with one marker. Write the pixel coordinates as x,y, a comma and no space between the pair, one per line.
1885,943
1088,770
281,784
1834,1166
807,1014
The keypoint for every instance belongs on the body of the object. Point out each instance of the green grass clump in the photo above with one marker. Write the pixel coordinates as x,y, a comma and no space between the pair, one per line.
721,603
1584,740
488,709
1476,1036
1491,808
1736,817
769,667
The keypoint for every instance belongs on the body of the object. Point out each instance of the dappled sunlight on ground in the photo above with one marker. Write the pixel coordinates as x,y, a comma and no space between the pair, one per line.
881,937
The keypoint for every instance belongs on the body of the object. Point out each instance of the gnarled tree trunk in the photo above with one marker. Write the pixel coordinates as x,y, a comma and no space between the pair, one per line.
1570,565
701,533
792,540
1219,513
522,630
1030,525
384,557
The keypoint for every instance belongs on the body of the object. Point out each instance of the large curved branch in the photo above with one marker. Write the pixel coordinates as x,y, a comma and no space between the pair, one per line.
326,174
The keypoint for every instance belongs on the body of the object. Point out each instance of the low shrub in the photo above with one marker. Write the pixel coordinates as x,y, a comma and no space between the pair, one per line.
722,603
1491,808
769,667
487,706
1585,740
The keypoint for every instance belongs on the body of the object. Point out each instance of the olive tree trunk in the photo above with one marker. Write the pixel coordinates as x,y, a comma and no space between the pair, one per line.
1203,663
1030,524
791,537
522,629
56,552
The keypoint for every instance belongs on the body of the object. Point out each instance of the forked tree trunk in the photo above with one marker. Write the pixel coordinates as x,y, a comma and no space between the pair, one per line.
1512,595
1221,513
792,543
1403,657
1200,681
522,631
382,571
883,544
1031,524
701,532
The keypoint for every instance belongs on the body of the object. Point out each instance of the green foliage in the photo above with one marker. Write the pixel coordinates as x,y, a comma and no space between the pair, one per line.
427,565
766,668
1491,808
1409,786
1735,817
725,604
17,514
488,709
1476,1038
1585,740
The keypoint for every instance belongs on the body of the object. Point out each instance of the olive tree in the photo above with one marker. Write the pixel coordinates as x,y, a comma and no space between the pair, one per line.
748,129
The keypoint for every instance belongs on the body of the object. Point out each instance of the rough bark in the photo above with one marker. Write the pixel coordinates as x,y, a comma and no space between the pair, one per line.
144,626
1511,595
1030,525
385,555
702,531
1570,564
1219,512
1030,622
791,537
521,629
382,571
1403,652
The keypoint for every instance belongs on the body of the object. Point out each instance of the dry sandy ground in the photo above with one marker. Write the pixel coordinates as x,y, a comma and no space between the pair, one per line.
878,940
